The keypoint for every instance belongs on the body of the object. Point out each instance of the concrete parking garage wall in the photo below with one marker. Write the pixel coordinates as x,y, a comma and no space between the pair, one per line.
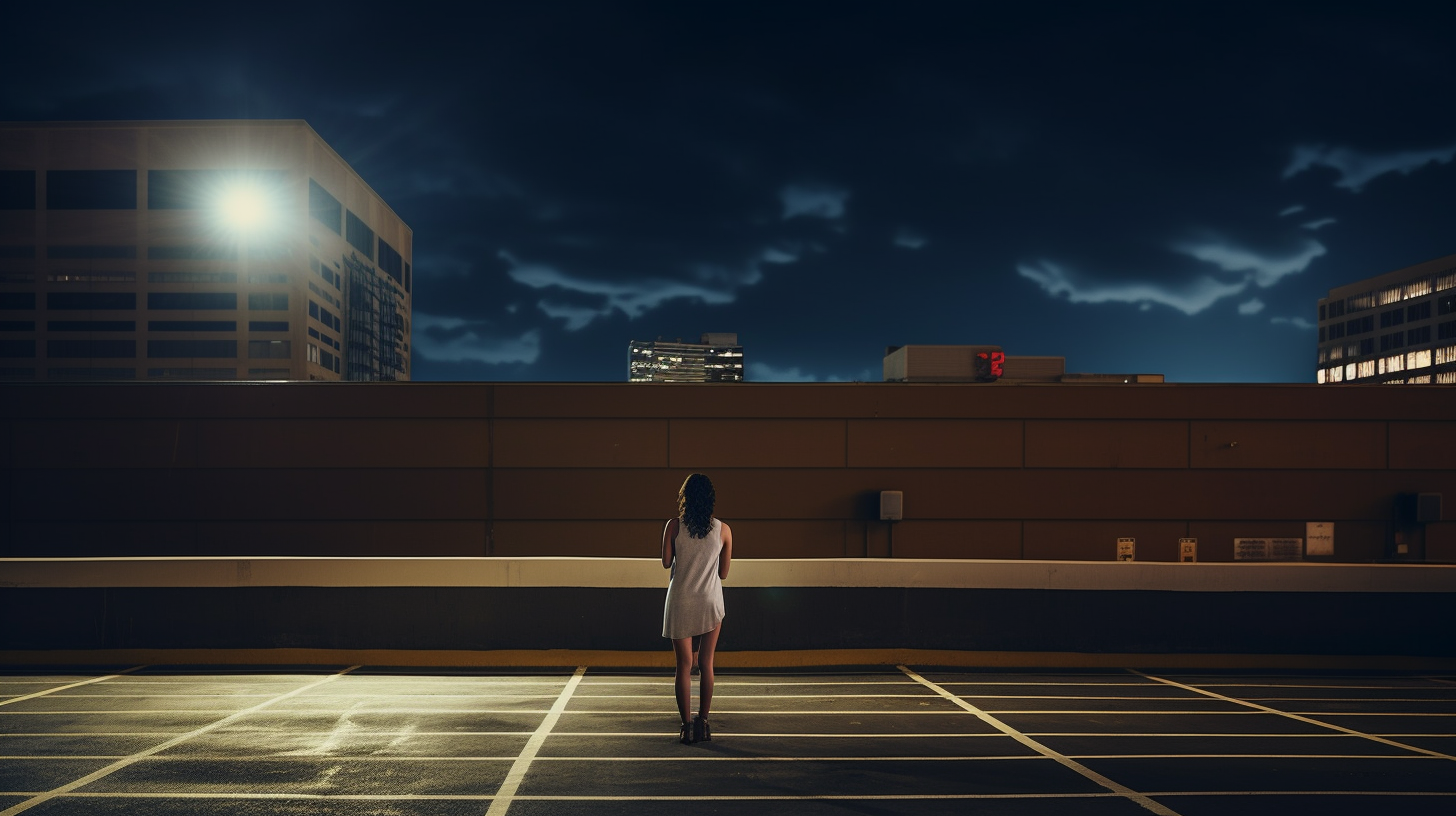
576,611
1049,472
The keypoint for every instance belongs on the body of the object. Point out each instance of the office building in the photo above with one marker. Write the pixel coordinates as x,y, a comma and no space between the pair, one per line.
988,364
716,357
1399,327
195,250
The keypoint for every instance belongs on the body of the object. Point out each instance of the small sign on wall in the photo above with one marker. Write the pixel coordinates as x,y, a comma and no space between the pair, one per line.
1126,549
1187,550
1268,549
1319,538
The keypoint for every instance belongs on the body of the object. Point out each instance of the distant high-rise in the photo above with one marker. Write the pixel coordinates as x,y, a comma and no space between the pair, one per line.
716,357
988,364
196,250
1399,327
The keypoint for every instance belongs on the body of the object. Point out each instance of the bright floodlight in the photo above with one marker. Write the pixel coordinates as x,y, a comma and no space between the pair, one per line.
245,208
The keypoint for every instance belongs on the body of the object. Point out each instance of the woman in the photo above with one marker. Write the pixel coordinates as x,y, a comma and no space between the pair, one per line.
698,549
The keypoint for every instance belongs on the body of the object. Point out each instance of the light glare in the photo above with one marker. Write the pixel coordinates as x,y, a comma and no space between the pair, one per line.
244,208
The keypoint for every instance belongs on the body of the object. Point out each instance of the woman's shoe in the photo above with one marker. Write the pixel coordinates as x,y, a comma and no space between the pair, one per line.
689,730
701,731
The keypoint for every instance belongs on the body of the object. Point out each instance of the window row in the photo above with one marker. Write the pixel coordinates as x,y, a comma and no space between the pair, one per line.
117,189
333,278
324,338
1412,313
1410,337
127,301
129,373
88,349
327,298
324,316
152,325
159,252
1361,348
1417,287
1394,364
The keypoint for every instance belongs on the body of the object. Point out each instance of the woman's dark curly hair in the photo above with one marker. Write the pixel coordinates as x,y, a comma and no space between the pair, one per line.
695,504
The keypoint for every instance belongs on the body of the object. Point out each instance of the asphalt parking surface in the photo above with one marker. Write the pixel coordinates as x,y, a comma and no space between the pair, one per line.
220,741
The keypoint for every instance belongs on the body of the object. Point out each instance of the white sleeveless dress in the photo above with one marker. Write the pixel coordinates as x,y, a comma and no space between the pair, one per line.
695,593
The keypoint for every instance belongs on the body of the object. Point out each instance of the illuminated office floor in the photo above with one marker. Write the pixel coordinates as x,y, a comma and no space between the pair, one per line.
370,740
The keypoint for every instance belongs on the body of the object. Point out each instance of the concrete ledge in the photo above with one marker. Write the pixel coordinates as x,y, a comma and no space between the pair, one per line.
727,660
529,606
647,573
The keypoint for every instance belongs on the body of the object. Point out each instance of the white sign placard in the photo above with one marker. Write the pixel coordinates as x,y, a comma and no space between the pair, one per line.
1187,550
1319,538
1268,549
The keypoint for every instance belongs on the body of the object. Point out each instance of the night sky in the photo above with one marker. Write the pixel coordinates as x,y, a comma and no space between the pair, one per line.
1140,188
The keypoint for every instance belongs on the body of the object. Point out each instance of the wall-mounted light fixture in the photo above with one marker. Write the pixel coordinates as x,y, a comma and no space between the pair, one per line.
892,509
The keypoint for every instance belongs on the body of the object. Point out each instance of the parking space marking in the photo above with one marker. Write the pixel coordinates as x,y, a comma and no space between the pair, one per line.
482,797
766,680
1301,717
1349,699
70,686
1201,734
776,712
512,783
858,735
62,756
8,734
140,755
700,758
1070,764
1170,712
1247,794
292,710
717,696
1240,756
168,695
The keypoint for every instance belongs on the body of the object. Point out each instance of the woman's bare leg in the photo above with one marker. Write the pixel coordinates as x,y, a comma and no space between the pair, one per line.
705,670
682,649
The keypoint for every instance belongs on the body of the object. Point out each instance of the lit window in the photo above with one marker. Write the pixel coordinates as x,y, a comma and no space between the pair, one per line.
1337,374
1419,359
1319,376
1350,372
1367,368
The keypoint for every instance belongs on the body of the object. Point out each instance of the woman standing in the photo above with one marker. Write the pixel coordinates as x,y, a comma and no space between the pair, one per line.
697,548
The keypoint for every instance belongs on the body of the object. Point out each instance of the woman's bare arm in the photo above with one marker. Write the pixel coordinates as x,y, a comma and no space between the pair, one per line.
669,534
725,556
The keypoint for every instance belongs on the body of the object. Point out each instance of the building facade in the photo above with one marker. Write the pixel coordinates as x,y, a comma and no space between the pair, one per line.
988,364
215,250
1399,327
716,357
